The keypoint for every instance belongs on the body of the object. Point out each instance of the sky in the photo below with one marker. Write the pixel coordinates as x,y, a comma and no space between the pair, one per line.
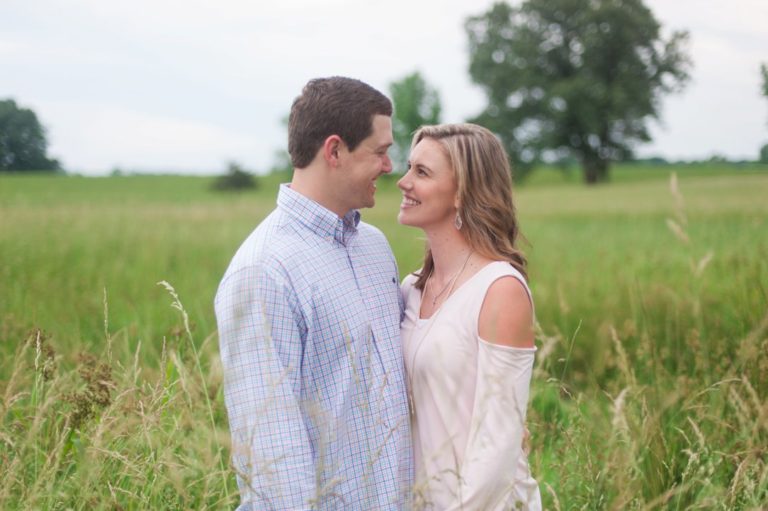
188,85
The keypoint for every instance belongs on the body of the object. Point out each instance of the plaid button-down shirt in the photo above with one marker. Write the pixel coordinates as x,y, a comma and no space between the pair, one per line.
309,325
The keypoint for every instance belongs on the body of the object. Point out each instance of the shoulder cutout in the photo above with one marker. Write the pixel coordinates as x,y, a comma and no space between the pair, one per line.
506,316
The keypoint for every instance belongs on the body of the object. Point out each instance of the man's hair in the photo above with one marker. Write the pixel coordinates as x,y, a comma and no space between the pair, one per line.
332,106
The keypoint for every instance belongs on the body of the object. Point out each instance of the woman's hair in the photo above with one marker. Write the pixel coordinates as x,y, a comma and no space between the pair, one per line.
483,175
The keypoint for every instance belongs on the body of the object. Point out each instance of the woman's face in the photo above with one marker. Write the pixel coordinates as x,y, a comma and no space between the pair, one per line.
429,188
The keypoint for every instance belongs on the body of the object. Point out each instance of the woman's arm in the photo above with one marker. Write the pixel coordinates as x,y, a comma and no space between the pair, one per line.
506,317
505,363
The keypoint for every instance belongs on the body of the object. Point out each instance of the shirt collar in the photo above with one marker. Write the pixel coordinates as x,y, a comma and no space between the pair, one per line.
317,218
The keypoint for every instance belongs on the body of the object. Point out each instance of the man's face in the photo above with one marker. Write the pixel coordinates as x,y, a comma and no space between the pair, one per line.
365,164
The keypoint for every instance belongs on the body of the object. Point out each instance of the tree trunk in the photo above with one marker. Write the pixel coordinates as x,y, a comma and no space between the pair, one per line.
595,170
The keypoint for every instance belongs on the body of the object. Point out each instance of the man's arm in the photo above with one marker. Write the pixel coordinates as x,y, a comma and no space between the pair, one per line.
260,339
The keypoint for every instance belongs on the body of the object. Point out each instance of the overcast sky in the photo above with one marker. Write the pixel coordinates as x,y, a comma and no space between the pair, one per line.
187,85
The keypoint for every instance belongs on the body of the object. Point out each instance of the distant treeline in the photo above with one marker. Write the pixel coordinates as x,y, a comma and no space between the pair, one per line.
661,161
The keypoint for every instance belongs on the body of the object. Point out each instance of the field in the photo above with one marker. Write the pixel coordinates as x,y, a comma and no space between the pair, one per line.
650,389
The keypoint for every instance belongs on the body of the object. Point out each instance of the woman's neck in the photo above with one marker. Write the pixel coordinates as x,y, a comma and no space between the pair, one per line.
449,251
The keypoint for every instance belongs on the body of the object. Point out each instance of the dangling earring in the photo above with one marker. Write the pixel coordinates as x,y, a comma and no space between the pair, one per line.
457,221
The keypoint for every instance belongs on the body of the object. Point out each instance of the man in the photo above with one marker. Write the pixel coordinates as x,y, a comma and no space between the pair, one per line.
309,313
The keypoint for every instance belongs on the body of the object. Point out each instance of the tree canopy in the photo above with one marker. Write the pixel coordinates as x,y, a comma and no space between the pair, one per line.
574,78
416,104
23,144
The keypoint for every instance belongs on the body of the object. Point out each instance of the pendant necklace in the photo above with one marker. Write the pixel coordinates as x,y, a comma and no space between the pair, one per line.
449,283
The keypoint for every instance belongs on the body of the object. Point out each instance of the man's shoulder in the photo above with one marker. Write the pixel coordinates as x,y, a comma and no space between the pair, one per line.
372,235
264,247
369,229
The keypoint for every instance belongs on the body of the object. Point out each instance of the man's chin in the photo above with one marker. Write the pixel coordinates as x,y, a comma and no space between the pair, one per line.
369,203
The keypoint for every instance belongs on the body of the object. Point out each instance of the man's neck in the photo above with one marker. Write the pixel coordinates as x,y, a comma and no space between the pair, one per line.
315,184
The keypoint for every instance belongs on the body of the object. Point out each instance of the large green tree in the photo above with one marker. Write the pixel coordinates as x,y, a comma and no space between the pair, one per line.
576,78
23,144
416,104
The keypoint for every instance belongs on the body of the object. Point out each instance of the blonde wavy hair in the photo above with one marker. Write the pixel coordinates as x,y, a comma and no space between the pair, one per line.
481,167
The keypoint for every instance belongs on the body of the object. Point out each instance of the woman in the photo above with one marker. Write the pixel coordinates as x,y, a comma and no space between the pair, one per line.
468,327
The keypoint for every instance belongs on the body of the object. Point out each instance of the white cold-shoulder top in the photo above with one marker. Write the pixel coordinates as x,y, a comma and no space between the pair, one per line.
470,399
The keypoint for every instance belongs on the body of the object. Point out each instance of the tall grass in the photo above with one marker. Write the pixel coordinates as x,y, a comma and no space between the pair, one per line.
111,434
668,408
650,389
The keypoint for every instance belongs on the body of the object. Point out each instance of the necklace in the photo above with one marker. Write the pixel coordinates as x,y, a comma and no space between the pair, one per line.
432,320
449,283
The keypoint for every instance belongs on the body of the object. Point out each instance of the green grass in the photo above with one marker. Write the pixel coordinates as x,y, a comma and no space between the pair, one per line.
651,384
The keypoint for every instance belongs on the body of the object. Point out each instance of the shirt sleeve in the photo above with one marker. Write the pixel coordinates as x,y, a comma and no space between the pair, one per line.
494,465
260,337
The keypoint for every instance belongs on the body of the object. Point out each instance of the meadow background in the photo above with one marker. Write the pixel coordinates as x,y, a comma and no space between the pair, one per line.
651,382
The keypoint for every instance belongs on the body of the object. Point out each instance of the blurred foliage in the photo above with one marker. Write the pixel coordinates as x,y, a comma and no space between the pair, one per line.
573,77
236,178
281,160
764,154
764,72
416,104
23,144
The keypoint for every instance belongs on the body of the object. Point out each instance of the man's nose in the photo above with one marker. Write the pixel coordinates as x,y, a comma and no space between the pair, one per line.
387,164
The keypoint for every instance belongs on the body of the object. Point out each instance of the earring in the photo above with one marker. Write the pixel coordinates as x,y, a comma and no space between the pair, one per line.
457,221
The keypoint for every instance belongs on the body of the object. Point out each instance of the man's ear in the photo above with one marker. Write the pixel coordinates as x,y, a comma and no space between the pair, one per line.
331,149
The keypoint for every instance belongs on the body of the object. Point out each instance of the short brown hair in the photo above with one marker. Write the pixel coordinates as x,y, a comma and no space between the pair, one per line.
332,106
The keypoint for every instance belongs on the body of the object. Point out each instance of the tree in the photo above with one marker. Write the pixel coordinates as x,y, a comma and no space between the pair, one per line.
763,157
235,179
578,77
23,144
416,104
281,160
